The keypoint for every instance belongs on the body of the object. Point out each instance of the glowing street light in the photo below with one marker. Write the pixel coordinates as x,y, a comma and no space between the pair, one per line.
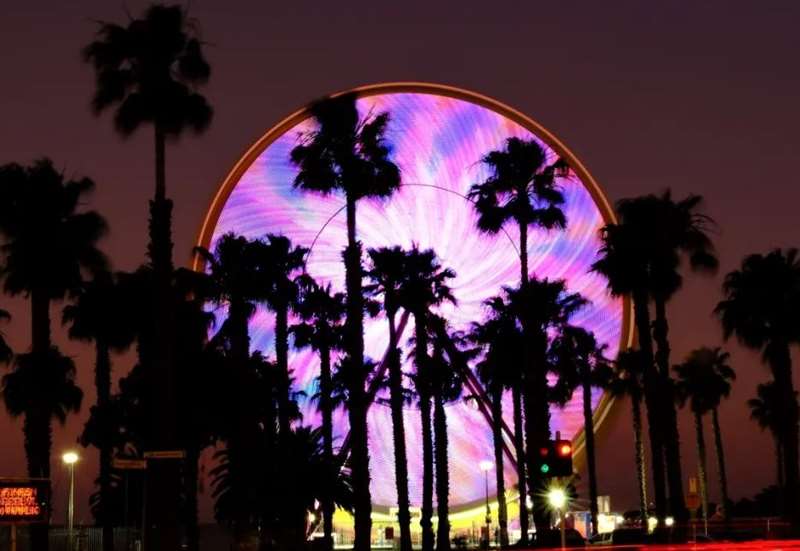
70,458
557,498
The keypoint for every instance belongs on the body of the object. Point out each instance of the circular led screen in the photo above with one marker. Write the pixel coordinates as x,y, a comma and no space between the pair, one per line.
438,137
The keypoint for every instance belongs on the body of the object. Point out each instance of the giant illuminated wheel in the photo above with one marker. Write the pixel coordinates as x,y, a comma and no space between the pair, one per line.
439,135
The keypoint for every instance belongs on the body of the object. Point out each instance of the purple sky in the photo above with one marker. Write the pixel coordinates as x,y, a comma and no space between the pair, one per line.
697,96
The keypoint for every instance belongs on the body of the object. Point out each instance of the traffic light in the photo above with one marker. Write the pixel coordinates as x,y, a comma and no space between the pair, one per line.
555,458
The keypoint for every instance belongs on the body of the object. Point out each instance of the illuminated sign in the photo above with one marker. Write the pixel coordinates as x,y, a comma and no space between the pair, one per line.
24,500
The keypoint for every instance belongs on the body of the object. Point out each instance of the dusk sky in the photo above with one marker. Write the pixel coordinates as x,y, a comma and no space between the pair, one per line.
700,97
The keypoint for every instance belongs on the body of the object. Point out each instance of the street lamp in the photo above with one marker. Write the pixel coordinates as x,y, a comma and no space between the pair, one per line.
70,458
486,466
558,500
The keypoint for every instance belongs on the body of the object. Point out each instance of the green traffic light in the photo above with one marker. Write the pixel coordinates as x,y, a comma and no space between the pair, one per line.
545,468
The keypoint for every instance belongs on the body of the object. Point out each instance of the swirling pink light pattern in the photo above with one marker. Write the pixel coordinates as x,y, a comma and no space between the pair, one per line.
438,142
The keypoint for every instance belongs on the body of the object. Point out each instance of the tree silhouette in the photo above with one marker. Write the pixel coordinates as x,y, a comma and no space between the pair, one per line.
521,189
623,262
151,69
765,409
703,379
760,308
348,154
671,230
626,381
576,355
5,351
321,312
234,283
500,337
386,275
539,305
96,316
278,263
48,245
425,287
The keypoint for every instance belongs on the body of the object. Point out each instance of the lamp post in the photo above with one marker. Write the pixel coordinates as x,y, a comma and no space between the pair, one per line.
558,500
69,459
486,466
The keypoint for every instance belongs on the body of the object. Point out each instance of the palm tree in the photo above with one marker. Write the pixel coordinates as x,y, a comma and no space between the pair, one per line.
278,263
386,277
765,410
623,262
521,189
626,380
575,354
539,305
322,312
672,230
348,154
500,338
47,246
95,317
448,362
235,284
424,288
761,308
151,69
703,379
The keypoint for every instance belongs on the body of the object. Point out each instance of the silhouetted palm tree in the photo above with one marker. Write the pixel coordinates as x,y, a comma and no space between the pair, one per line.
500,337
48,245
761,305
448,362
765,410
626,381
521,189
151,69
424,288
348,154
322,311
539,306
671,230
575,354
236,285
97,316
703,379
623,262
386,277
278,262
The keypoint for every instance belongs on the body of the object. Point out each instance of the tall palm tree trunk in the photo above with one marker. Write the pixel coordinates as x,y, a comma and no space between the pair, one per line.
652,401
354,335
37,426
399,437
282,358
326,391
672,447
779,478
519,424
519,451
720,451
426,513
781,363
537,436
442,475
163,478
701,464
638,441
588,431
497,437
102,382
